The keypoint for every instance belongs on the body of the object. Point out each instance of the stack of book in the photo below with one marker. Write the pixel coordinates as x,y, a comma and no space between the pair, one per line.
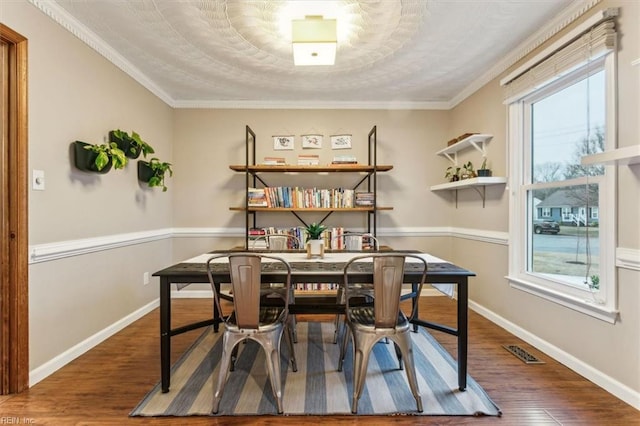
274,161
364,199
344,159
256,197
256,238
308,160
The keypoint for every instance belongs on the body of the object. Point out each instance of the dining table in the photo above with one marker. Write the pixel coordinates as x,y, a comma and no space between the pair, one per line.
451,279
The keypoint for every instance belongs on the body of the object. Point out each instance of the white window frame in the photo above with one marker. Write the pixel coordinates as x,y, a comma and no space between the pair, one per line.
601,304
546,212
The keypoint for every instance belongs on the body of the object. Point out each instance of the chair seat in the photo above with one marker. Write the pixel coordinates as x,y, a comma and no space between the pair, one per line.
268,318
363,316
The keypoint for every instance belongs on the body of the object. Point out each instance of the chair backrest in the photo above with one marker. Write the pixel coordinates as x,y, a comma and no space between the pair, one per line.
279,242
353,241
245,272
388,277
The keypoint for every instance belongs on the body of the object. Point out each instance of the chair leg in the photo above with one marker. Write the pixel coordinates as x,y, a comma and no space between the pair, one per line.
337,329
271,345
403,341
398,354
362,342
292,354
229,346
343,346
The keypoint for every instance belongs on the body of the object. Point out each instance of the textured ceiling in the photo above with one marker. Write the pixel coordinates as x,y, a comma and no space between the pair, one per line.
389,51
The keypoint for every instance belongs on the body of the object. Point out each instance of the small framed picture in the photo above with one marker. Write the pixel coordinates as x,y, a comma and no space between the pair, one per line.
312,141
340,141
283,142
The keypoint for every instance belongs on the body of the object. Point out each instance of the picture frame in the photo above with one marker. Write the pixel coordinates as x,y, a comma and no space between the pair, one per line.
340,141
312,141
281,143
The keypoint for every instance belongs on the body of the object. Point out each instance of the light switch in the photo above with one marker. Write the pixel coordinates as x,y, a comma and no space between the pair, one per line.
38,180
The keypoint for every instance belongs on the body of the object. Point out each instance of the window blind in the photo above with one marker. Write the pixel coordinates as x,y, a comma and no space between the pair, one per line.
589,46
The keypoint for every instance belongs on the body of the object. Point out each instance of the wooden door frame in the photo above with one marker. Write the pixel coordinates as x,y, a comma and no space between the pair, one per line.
14,183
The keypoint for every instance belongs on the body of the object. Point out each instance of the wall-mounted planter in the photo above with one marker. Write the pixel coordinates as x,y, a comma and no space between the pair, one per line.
153,172
85,159
145,173
124,143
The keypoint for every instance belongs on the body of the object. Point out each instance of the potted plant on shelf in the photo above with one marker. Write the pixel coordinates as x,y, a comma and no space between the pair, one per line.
132,145
154,172
484,171
452,174
315,244
99,158
467,171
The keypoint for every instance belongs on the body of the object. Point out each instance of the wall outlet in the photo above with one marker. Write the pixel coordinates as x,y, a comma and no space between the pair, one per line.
145,278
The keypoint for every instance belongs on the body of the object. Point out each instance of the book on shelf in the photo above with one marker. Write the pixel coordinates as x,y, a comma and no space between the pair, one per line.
344,159
308,160
363,199
305,198
274,161
256,197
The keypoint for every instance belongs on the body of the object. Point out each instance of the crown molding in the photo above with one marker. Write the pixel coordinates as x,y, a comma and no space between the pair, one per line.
553,27
63,18
408,105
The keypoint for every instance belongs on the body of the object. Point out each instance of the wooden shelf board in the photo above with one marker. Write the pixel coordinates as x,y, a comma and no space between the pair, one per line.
621,156
334,168
469,183
285,209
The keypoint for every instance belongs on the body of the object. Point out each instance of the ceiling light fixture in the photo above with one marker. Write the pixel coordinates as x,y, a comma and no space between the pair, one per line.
314,41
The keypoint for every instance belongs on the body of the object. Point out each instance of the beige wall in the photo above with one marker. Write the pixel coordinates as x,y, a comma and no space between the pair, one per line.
613,349
77,94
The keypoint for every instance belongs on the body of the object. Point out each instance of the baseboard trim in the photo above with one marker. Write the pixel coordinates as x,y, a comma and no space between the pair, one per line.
611,385
50,367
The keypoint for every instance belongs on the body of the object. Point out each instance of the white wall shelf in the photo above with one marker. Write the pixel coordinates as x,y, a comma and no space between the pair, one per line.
621,156
478,184
477,141
470,183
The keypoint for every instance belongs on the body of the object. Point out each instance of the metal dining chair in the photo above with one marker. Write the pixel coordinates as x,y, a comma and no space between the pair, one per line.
252,320
381,317
351,242
278,243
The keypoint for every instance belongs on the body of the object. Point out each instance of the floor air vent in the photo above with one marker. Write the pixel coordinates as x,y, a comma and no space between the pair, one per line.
522,354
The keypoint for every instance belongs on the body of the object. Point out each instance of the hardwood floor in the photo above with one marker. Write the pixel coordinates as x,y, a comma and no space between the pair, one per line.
102,386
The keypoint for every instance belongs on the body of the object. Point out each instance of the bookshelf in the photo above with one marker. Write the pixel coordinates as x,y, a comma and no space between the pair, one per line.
256,176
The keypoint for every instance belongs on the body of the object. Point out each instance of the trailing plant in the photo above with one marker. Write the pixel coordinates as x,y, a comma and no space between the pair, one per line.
108,151
314,231
136,144
452,174
159,170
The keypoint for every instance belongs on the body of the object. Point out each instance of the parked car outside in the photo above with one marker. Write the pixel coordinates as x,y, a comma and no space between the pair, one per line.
546,226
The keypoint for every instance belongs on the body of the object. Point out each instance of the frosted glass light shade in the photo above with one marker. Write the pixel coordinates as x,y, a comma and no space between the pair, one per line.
314,41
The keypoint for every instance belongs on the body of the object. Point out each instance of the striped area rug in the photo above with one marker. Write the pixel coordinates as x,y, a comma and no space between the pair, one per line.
317,387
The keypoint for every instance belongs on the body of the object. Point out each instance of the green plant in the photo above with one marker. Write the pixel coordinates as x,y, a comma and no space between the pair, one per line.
314,231
595,282
135,142
483,166
452,174
159,170
468,171
108,151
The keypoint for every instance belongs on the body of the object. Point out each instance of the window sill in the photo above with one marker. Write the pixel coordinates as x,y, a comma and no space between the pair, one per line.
588,307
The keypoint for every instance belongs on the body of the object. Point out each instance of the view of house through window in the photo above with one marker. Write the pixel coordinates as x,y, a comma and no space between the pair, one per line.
566,122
